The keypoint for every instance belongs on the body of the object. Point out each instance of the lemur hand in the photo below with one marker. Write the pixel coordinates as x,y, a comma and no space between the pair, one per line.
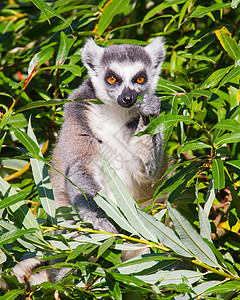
150,106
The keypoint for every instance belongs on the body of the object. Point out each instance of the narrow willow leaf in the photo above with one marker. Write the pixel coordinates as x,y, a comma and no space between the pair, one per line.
234,112
114,8
77,251
215,77
205,227
13,294
5,120
28,143
64,47
112,257
2,140
227,42
113,211
229,124
42,180
125,201
228,138
177,178
171,277
13,235
37,104
211,193
46,9
13,199
202,93
191,239
193,146
230,76
166,235
21,210
235,164
201,11
40,58
161,7
105,245
224,287
76,70
162,123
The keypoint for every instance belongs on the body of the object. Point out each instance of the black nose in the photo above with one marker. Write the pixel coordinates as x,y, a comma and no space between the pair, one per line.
127,98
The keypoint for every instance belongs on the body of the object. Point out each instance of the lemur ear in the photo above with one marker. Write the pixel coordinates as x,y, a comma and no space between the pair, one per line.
156,50
91,55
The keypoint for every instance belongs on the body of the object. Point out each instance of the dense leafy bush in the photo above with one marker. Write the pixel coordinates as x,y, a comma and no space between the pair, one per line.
199,87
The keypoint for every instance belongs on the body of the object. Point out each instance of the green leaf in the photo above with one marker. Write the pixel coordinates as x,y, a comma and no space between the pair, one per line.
46,9
228,139
225,287
114,288
201,11
191,239
165,235
42,180
171,277
227,42
28,143
21,210
6,119
37,104
218,173
2,140
40,58
114,8
112,257
192,146
64,47
211,194
112,210
77,251
231,75
215,77
7,202
161,7
229,124
125,201
235,164
205,227
11,236
162,123
105,245
76,70
13,294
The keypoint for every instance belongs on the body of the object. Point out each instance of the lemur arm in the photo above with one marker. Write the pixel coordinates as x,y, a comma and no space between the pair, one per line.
150,148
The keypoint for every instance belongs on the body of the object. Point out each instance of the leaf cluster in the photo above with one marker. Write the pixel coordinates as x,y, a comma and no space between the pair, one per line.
40,64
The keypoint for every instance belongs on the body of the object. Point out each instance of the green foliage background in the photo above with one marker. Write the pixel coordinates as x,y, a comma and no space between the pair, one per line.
40,64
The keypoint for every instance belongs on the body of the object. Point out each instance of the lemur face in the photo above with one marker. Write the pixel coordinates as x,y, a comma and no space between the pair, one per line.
124,82
120,73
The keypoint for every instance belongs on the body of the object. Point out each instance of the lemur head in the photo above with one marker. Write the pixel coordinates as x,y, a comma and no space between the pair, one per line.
119,73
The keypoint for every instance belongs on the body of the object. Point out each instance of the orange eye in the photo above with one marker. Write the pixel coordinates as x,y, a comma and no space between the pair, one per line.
112,79
140,80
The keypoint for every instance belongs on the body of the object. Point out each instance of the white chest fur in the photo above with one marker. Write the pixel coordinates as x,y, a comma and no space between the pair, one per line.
108,123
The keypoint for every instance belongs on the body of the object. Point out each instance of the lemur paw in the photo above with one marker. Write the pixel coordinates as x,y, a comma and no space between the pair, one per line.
150,106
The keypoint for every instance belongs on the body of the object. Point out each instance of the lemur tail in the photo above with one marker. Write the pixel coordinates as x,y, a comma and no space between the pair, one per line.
23,271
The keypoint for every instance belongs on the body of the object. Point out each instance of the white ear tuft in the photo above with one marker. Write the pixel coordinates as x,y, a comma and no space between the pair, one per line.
91,54
156,50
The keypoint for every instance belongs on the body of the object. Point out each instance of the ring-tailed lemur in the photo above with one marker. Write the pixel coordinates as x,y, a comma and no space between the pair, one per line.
118,74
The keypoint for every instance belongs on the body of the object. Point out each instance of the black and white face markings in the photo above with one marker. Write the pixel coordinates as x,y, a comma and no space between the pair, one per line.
125,82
